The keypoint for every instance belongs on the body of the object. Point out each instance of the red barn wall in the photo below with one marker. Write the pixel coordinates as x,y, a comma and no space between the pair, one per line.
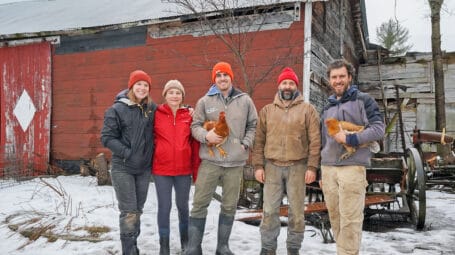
85,83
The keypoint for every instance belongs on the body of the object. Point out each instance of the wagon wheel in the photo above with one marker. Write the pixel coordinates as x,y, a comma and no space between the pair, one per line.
416,185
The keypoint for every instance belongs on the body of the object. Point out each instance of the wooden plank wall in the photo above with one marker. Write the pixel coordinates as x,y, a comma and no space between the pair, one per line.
413,74
330,40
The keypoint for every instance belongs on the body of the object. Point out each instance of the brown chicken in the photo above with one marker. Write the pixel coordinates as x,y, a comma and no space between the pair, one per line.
221,128
334,126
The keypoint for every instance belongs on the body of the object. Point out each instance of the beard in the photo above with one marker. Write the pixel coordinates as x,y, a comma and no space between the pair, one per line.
287,94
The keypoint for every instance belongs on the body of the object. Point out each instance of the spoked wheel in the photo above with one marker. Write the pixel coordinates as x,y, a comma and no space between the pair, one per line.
416,188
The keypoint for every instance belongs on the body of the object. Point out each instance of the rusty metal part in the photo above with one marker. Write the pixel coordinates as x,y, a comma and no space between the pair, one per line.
419,136
256,214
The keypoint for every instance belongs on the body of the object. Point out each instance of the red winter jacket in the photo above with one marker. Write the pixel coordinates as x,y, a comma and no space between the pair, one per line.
176,152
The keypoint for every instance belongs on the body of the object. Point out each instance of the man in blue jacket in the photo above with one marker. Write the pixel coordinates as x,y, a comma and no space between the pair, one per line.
344,180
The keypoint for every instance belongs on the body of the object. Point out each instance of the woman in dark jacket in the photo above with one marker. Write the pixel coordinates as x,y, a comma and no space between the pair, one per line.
175,160
128,133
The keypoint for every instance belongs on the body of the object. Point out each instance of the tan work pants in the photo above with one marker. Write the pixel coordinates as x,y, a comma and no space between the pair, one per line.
344,194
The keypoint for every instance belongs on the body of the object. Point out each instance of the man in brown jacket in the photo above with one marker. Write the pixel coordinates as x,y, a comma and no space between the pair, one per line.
286,154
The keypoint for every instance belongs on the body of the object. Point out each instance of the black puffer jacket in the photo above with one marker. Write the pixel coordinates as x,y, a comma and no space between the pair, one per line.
128,133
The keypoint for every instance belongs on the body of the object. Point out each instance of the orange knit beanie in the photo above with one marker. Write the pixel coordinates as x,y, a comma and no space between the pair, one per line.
222,67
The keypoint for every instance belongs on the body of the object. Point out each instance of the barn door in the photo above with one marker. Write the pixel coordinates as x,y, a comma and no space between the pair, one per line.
25,109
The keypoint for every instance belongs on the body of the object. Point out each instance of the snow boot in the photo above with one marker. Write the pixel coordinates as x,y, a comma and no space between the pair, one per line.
224,232
196,228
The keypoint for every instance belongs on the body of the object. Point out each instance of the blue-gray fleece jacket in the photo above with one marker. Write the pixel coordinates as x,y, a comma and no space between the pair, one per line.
128,133
361,109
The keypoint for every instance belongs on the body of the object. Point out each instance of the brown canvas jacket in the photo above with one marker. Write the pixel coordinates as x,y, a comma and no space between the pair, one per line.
287,133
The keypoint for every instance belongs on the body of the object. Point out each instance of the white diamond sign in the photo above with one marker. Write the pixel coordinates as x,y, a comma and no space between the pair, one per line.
24,110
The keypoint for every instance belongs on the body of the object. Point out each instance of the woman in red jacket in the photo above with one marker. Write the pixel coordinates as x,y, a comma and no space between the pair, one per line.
175,161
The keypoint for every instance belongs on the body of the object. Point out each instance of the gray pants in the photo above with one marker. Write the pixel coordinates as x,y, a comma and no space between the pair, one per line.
279,179
209,176
131,192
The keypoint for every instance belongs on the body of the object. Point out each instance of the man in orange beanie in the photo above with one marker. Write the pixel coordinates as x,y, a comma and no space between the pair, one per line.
282,166
241,118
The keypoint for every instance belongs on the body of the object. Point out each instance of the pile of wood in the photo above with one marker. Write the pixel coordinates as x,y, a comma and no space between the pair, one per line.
97,167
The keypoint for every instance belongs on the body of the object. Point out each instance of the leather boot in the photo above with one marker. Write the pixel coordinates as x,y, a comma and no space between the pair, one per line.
224,232
196,228
164,246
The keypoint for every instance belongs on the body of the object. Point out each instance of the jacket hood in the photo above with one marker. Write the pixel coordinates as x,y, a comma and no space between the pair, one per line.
213,90
123,98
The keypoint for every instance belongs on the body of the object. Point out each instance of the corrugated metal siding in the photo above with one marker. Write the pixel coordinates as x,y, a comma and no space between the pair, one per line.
26,87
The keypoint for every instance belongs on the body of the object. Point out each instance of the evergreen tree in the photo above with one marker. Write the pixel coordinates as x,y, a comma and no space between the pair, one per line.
394,37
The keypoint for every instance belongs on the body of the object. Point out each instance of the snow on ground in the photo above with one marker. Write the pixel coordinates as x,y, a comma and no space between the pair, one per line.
67,203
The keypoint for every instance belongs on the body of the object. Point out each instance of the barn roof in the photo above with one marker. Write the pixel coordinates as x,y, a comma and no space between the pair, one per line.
30,18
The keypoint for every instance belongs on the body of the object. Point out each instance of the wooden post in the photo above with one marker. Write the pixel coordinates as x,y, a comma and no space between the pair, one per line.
102,171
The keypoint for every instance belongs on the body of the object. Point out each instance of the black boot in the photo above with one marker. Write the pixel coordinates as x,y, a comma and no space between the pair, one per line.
267,252
196,228
164,245
293,251
129,246
184,238
224,232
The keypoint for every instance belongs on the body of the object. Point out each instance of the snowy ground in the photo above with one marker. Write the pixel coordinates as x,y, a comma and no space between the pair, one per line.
77,201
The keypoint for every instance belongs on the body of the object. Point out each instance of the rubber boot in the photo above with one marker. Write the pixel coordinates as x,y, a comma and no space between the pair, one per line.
129,244
183,237
267,252
196,228
164,246
292,251
224,232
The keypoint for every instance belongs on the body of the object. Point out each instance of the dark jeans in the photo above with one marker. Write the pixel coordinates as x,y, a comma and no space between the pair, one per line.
131,192
163,185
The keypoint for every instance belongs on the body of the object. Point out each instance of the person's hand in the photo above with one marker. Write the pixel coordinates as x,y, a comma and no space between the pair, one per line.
310,176
259,174
340,137
212,137
191,110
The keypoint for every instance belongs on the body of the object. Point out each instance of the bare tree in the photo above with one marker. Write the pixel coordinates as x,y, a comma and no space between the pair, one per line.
235,26
435,7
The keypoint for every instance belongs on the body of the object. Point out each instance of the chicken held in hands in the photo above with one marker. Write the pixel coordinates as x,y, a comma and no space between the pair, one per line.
221,128
334,126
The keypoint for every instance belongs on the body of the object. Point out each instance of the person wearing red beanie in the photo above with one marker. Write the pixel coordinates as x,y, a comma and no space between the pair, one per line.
289,74
128,133
288,118
138,75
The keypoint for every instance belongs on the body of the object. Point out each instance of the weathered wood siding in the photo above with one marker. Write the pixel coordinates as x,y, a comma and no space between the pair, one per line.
25,103
413,75
85,81
333,35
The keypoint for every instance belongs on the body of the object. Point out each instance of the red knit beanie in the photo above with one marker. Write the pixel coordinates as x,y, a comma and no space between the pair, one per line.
138,75
222,67
288,74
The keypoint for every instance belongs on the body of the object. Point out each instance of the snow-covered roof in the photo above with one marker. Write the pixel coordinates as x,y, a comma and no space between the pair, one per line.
35,16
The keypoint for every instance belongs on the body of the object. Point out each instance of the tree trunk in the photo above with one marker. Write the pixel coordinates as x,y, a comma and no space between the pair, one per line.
103,176
435,6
